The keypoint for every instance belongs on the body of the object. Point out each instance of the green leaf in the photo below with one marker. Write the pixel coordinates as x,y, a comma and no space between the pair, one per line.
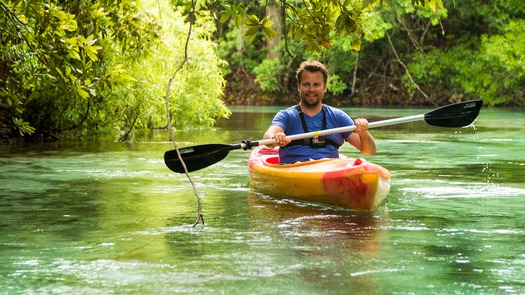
91,51
23,127
251,33
252,20
82,92
59,72
92,55
268,23
60,14
269,32
224,17
238,20
356,45
71,25
74,54
92,91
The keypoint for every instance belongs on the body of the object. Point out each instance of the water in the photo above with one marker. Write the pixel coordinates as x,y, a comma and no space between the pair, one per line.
102,217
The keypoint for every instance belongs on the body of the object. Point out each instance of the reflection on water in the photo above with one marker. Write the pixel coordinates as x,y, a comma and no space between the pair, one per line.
104,217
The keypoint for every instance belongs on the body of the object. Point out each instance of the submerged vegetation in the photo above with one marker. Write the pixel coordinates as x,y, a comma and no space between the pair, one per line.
82,68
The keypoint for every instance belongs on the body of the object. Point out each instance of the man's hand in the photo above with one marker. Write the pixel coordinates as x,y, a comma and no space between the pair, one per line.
277,133
361,126
281,139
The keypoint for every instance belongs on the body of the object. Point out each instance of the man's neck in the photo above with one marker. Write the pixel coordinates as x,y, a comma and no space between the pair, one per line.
311,110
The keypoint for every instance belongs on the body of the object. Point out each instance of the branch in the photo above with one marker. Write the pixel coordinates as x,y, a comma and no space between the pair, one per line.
425,31
79,123
168,117
354,76
306,33
283,20
410,34
14,19
5,106
126,135
406,69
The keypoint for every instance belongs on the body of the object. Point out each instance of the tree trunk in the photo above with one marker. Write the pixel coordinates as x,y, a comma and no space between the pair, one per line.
273,10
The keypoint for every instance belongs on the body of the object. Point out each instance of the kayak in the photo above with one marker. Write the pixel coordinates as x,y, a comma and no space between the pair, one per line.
341,182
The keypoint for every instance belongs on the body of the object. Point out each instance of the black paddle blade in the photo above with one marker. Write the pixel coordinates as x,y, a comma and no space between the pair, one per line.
460,114
197,157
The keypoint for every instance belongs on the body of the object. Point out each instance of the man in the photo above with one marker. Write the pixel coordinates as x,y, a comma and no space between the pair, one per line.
312,115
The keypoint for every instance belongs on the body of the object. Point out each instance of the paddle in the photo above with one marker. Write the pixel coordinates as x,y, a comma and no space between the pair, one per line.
460,114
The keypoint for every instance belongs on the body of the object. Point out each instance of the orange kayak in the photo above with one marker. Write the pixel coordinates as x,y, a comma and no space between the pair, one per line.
344,182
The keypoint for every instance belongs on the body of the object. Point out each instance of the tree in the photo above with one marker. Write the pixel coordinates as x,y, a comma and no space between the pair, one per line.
54,70
77,68
331,30
400,54
479,55
314,21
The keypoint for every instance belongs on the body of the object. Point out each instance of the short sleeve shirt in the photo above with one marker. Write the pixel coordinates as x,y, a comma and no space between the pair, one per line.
290,122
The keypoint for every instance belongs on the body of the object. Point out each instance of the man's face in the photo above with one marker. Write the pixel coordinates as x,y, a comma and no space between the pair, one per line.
312,88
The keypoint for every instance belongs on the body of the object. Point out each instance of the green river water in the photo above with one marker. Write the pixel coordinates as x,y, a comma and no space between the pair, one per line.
101,217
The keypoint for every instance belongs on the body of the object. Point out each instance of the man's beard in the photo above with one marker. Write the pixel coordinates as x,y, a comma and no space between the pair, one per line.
309,102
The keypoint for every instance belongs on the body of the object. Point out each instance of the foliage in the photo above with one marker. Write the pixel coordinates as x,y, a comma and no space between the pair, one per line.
57,71
336,85
315,22
499,66
195,98
408,54
268,73
238,51
77,67
493,71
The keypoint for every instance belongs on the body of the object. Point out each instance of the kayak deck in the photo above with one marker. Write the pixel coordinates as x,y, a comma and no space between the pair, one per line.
343,182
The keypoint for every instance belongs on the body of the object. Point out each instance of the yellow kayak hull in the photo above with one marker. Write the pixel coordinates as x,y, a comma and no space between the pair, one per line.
344,182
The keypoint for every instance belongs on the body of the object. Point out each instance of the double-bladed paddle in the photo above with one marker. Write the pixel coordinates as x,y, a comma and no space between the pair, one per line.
460,114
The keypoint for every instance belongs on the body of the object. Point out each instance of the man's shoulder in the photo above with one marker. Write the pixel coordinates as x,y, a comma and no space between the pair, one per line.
288,111
291,108
285,117
334,110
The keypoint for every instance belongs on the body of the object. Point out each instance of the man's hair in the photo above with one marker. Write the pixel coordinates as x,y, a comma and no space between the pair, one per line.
312,66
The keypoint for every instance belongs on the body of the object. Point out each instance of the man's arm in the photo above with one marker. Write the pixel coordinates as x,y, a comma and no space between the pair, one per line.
277,133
